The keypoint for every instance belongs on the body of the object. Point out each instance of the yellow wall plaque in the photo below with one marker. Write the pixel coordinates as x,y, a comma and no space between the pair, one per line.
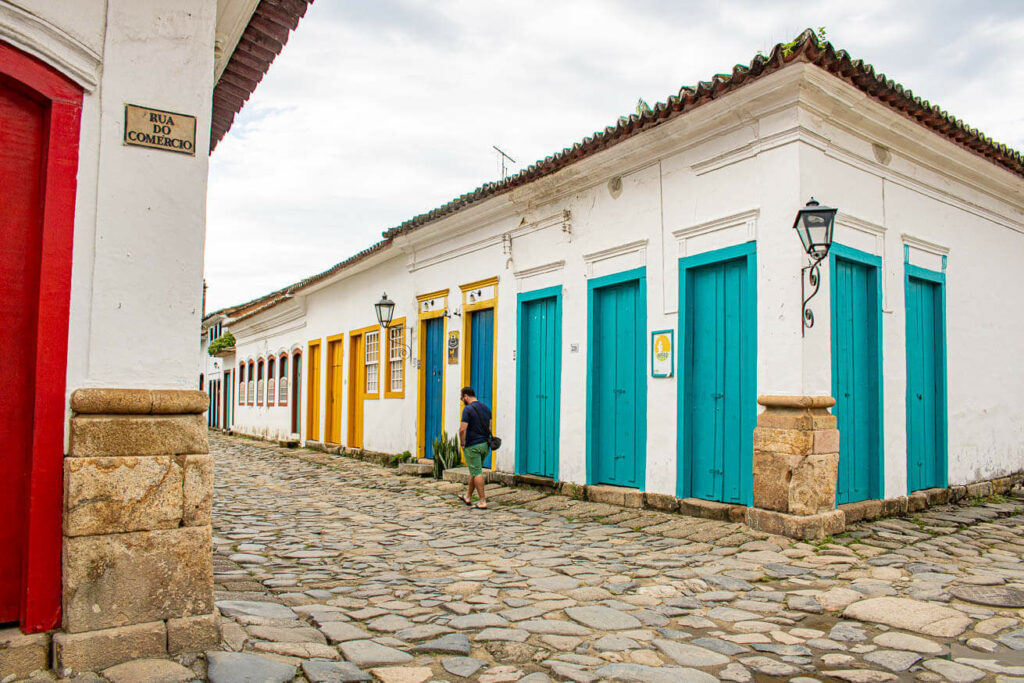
159,129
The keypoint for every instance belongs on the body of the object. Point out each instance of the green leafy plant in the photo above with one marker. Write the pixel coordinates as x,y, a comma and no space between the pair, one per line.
398,458
446,453
224,341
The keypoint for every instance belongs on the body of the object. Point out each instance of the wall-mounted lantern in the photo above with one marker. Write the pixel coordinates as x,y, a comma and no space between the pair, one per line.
385,309
814,225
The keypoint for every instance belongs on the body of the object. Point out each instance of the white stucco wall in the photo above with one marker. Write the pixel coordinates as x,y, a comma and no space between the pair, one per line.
733,171
139,213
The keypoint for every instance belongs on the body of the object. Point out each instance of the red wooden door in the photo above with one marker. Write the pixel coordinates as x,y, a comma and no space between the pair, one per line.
22,123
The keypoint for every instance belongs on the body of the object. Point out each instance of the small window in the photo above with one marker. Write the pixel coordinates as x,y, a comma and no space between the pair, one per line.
271,377
252,383
282,383
372,361
396,362
241,383
259,382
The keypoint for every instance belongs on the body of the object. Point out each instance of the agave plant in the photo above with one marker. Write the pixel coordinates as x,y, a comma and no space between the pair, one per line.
446,453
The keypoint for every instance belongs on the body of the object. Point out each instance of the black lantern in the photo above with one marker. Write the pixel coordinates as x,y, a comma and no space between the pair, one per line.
814,225
385,310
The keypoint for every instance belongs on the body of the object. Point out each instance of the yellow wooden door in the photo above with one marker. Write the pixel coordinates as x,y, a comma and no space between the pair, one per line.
335,371
313,393
356,390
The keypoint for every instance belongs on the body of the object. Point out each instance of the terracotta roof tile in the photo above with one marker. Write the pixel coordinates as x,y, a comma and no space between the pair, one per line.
263,39
805,49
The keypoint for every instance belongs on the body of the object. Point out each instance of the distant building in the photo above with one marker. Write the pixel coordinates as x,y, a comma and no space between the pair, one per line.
544,291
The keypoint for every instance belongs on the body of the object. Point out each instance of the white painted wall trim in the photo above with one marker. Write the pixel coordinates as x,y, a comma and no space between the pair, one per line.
745,220
552,267
59,49
622,257
924,245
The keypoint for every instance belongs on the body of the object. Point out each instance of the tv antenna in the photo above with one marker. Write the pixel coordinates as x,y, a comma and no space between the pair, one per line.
502,158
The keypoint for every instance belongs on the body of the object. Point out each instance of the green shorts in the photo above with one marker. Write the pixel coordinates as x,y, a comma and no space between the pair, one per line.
474,456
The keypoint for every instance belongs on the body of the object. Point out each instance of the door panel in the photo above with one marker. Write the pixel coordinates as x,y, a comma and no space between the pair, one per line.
313,394
296,393
21,163
856,384
433,390
538,391
481,361
335,379
229,387
617,389
926,367
719,370
357,384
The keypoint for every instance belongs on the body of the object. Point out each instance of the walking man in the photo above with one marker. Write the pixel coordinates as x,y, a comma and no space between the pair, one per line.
473,432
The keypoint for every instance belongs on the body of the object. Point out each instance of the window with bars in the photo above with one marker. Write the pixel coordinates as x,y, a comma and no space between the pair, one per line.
396,364
372,361
271,376
282,384
259,382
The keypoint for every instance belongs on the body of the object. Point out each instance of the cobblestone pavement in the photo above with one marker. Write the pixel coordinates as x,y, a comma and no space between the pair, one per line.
353,569
330,569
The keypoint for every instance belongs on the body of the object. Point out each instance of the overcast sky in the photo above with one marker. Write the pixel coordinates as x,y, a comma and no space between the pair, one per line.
378,110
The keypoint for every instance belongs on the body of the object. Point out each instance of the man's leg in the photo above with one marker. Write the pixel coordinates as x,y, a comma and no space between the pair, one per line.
482,502
469,494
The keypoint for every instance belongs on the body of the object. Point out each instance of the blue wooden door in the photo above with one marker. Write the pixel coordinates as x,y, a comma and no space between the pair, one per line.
229,400
718,397
433,390
618,390
481,360
856,372
926,371
537,396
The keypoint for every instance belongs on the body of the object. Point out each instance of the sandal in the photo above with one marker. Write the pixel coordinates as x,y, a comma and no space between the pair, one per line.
480,507
468,503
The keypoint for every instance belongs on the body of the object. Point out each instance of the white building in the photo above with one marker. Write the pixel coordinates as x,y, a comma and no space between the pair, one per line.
547,291
108,111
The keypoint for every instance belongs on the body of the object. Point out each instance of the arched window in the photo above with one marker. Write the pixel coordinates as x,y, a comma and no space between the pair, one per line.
241,383
282,382
259,382
271,377
252,383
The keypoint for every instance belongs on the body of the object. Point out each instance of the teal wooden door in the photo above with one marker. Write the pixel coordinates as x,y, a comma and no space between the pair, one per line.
617,378
856,372
718,391
481,360
433,376
926,379
539,374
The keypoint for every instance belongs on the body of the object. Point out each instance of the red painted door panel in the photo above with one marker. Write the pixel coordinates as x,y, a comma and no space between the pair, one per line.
21,161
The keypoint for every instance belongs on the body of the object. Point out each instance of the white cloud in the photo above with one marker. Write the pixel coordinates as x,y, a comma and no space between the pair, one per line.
376,112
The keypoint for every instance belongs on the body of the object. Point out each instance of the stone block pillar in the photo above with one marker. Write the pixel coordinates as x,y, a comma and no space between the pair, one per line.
796,462
137,554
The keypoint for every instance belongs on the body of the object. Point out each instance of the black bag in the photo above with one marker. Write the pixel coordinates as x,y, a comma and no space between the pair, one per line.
493,442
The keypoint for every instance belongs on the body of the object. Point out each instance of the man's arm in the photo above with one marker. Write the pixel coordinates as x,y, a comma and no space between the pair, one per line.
463,426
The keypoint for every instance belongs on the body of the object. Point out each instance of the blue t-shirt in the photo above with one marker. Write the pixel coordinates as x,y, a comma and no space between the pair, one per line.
477,417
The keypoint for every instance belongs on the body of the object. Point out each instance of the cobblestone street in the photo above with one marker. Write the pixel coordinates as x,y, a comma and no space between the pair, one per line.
338,570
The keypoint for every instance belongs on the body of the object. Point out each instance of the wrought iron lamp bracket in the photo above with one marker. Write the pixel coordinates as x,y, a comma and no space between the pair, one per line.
809,275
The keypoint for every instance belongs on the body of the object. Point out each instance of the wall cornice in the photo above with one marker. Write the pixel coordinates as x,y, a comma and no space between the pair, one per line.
51,44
